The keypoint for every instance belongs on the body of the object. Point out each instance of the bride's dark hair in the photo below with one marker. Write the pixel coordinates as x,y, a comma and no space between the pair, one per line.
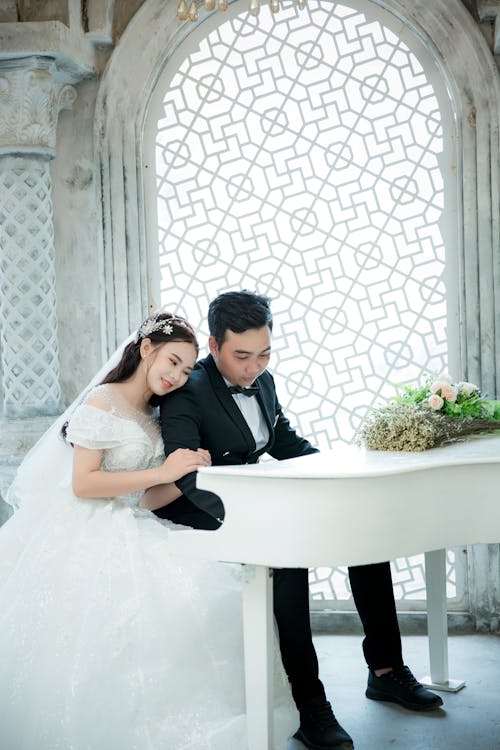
160,328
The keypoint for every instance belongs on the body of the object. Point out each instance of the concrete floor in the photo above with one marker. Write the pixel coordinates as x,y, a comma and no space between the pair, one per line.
469,720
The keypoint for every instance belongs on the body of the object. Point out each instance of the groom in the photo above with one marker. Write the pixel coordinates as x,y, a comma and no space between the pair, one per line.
229,407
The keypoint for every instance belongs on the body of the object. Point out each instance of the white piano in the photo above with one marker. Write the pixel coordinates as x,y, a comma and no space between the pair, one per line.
346,506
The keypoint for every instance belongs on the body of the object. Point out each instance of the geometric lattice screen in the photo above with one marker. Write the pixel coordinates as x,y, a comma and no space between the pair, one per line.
303,156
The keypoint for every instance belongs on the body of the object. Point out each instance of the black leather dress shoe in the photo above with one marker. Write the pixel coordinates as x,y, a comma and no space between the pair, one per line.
319,729
400,686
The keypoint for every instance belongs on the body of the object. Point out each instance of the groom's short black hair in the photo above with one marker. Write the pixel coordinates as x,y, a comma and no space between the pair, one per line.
238,312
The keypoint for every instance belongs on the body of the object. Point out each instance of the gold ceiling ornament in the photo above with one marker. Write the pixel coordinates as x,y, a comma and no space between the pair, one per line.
190,9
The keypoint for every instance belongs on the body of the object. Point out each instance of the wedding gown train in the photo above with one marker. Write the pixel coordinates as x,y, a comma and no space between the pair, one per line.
108,642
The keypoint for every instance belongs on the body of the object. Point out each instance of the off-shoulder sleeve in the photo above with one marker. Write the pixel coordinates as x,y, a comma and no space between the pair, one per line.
95,428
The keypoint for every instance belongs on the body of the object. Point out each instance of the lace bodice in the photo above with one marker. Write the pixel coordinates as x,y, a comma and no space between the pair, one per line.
130,439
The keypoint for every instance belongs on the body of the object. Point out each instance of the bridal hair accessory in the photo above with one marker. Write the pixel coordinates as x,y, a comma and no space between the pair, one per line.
422,417
49,463
158,324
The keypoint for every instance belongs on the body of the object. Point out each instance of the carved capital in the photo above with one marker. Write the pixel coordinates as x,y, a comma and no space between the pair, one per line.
31,97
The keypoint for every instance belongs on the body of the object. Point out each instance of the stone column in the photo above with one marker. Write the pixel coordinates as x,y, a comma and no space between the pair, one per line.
32,93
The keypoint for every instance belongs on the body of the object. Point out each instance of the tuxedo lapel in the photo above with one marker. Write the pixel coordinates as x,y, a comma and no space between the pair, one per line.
267,407
267,401
227,402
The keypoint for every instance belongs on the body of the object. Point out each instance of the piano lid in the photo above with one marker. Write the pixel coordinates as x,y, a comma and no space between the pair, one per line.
349,461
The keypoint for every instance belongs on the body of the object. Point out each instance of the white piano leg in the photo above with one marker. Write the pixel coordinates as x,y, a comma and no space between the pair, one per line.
258,640
435,578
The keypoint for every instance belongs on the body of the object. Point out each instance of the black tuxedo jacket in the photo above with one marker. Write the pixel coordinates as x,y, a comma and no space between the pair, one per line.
204,414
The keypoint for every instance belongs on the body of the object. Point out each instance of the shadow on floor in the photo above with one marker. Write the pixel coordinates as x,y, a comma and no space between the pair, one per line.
469,720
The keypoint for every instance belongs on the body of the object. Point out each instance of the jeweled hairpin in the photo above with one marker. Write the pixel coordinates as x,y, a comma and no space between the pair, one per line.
155,324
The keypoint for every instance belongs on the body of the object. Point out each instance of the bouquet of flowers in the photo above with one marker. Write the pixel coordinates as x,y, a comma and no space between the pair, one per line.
426,416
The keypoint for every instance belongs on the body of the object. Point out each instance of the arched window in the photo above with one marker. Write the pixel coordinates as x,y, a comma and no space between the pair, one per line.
461,245
311,156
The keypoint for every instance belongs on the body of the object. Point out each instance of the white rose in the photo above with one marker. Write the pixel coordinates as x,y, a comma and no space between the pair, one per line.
467,389
435,402
449,392
437,385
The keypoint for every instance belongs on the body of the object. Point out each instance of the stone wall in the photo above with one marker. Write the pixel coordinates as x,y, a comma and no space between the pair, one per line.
79,268
50,278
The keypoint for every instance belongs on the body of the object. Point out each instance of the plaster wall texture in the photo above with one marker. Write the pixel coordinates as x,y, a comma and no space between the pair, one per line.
79,274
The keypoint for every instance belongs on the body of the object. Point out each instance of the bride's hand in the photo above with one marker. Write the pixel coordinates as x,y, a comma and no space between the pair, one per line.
182,461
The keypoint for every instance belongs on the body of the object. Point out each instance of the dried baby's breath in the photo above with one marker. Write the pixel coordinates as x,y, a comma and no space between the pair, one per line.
410,427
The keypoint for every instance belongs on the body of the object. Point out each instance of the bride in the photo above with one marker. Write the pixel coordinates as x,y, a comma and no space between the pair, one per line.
107,641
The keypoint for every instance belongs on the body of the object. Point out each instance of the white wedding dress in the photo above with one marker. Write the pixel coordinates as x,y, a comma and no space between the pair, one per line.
107,642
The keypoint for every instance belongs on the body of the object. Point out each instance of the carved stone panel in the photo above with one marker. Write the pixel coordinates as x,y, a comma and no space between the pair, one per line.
27,289
30,102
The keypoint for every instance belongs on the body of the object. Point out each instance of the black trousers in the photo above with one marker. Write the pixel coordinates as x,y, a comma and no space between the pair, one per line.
373,595
372,590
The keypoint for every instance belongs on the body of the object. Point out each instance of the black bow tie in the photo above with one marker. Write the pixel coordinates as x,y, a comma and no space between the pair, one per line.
250,391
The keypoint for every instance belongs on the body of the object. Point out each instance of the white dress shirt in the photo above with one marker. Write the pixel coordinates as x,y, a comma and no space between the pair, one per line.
252,414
